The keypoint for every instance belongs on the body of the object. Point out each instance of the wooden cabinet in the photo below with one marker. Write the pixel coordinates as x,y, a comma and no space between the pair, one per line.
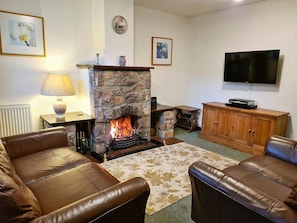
243,129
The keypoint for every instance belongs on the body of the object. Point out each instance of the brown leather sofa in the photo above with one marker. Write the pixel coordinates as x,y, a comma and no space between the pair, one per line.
259,189
44,180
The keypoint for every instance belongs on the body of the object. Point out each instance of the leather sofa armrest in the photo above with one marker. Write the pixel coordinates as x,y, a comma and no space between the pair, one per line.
28,143
221,191
123,202
282,148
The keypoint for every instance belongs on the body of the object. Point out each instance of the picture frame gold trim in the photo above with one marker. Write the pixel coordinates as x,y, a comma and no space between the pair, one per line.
162,51
21,34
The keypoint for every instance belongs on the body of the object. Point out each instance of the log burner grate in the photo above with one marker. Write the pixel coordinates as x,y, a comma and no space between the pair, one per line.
125,142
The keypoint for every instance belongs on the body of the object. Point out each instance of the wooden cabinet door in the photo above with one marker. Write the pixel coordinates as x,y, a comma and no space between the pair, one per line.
209,121
263,127
242,129
225,123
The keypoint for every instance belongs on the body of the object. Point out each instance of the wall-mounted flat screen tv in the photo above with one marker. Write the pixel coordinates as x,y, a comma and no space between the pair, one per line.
251,66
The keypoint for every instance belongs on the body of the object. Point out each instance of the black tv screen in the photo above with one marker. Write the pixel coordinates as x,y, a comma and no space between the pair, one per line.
251,66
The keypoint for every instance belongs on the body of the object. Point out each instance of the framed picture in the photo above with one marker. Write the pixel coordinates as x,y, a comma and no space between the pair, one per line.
21,34
161,51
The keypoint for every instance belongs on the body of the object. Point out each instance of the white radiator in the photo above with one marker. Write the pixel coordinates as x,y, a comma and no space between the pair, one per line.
15,119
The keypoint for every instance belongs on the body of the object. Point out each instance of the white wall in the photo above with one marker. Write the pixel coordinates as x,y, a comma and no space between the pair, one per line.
74,32
262,26
119,44
196,75
168,82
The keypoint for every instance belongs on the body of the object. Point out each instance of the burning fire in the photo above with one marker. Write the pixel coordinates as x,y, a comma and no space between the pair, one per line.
121,127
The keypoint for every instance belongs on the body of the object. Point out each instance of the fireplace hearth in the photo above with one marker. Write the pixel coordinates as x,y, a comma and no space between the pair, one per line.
112,153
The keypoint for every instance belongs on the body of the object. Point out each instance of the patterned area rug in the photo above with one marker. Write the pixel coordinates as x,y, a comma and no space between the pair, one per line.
166,171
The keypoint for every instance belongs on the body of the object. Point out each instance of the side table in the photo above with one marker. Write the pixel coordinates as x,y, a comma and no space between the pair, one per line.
187,120
78,126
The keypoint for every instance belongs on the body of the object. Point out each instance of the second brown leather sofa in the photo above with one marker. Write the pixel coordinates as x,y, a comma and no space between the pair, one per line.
259,189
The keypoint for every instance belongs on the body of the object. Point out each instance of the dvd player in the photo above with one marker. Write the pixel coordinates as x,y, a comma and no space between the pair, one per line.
241,103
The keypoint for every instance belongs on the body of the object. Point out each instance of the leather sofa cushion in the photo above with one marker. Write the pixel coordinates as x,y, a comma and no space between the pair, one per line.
28,143
17,202
273,168
42,164
71,185
282,148
5,164
258,181
292,198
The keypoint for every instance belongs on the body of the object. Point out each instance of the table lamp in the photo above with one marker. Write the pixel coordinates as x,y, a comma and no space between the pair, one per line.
58,85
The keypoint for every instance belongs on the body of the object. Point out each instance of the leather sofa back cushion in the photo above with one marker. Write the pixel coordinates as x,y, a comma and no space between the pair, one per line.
5,164
282,148
272,168
292,198
24,144
17,202
36,166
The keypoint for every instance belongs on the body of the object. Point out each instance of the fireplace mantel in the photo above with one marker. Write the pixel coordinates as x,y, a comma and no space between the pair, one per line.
113,68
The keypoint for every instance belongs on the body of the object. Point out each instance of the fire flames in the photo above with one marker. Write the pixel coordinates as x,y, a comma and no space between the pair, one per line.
121,127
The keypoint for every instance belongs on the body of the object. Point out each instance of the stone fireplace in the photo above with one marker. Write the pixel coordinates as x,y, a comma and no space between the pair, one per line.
119,95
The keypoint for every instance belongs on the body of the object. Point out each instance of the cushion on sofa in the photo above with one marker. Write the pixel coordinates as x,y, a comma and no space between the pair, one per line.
292,198
42,164
5,164
17,202
282,148
258,181
79,182
273,168
28,143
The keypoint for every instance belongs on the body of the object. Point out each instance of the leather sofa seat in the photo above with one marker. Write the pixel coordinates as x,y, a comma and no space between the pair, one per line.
80,182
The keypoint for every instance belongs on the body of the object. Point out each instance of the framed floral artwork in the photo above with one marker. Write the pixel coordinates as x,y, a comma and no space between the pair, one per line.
21,34
161,51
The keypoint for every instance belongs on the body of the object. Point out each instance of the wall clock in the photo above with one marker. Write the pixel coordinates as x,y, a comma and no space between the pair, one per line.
120,24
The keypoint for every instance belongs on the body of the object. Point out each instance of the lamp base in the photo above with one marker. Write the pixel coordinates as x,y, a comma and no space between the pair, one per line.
60,108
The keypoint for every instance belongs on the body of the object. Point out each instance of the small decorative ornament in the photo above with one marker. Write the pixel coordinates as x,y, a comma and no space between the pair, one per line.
120,24
122,61
97,55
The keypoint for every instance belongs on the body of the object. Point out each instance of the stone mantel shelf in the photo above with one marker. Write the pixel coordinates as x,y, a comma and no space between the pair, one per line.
114,68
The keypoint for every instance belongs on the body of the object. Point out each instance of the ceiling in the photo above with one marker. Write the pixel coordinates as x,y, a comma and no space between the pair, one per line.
192,7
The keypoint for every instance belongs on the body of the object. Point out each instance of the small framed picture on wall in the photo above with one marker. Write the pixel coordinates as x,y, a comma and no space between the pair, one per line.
161,51
21,34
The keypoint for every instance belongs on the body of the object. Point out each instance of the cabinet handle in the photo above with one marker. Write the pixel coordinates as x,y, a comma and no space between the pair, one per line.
249,130
253,131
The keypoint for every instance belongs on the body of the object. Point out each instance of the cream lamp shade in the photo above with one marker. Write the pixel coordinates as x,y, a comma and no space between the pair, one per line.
58,85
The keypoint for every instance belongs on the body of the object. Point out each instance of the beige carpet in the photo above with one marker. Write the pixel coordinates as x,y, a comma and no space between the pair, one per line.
166,171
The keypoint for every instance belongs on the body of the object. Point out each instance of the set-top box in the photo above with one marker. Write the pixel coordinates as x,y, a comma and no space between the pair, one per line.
242,103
